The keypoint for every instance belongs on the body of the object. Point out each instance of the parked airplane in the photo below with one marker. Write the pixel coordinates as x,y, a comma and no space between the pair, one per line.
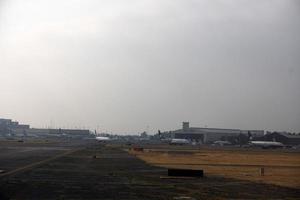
266,144
221,143
102,139
179,141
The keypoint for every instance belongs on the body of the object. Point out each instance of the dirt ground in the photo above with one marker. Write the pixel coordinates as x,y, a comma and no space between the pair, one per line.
280,167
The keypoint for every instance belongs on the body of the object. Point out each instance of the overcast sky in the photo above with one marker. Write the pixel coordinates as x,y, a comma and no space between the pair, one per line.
123,66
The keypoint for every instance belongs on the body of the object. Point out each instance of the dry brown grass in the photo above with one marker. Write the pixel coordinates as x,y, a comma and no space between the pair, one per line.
281,168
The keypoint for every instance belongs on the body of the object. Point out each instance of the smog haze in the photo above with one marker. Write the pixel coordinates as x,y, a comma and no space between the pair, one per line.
127,66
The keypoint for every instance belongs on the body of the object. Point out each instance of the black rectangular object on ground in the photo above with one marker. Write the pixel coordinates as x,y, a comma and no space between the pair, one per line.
185,172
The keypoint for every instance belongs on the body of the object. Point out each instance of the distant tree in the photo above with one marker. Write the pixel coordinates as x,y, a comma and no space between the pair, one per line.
144,134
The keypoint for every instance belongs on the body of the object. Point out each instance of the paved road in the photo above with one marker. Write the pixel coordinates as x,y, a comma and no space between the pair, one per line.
14,158
33,165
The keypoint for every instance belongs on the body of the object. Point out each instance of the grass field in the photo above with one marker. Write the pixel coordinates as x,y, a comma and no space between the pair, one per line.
280,168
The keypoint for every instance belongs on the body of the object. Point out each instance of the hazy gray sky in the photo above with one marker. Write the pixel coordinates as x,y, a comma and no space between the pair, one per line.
125,65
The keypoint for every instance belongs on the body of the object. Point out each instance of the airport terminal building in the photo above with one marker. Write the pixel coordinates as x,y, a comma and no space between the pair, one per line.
209,135
12,129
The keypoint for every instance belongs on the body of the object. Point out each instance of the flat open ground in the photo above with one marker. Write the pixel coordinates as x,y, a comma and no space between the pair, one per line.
282,167
14,154
68,170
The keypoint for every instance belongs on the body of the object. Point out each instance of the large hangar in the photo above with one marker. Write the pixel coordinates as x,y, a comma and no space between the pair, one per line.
209,135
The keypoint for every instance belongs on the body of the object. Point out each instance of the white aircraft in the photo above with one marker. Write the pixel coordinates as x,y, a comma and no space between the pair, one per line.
102,139
179,141
266,144
221,143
